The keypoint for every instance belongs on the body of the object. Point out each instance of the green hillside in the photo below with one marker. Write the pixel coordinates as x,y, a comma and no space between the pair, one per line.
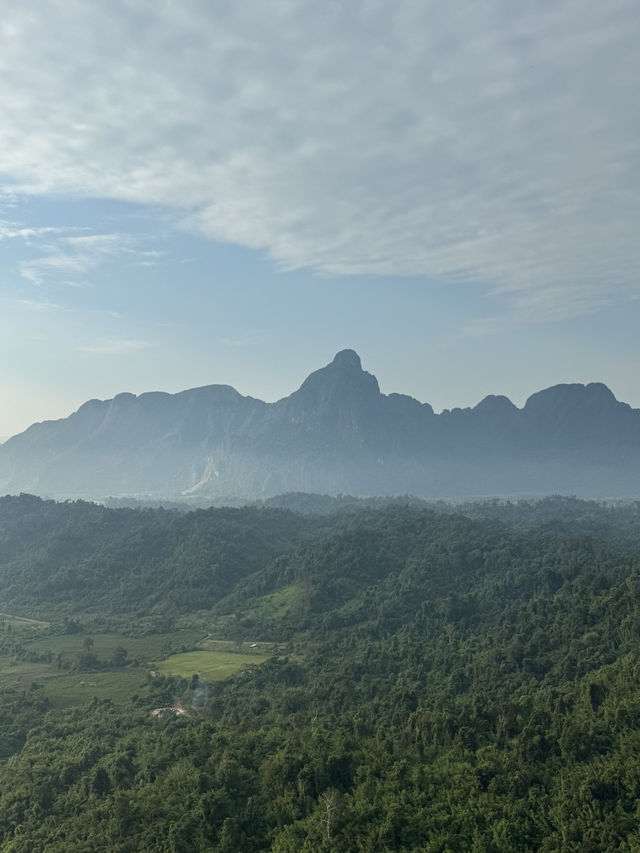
405,679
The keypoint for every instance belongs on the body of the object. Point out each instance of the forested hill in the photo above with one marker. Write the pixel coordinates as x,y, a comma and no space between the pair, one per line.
440,683
83,555
613,521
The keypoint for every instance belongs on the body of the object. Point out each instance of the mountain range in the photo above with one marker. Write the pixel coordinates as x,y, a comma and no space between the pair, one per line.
336,434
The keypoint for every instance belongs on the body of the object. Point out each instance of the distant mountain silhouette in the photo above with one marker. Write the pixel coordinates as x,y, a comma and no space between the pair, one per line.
336,433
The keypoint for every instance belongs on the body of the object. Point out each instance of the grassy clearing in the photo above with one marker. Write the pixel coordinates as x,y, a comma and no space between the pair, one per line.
209,665
64,689
21,673
277,606
144,649
79,688
214,661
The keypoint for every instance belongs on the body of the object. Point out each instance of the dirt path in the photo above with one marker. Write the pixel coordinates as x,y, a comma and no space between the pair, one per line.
22,620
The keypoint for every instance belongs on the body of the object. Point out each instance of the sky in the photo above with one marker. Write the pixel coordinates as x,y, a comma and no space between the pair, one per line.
202,192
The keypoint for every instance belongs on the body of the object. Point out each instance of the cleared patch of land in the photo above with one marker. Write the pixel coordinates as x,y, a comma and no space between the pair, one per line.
64,688
276,606
66,683
22,673
209,665
145,649
78,688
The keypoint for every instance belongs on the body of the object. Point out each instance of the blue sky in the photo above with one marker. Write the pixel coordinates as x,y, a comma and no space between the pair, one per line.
203,192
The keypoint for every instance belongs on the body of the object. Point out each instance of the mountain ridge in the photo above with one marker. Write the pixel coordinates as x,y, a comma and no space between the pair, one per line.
336,433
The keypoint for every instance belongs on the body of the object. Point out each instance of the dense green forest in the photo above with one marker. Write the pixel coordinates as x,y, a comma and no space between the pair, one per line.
430,678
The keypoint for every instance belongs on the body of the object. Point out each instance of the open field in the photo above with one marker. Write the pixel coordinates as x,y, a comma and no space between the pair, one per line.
78,688
145,649
66,686
209,665
22,673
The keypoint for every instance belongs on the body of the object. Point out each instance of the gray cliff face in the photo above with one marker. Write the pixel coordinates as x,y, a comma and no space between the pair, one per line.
336,433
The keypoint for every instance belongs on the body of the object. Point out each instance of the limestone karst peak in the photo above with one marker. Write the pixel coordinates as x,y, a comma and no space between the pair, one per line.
347,358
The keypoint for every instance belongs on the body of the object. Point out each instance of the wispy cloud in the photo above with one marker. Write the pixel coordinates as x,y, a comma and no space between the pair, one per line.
75,255
483,140
14,230
40,306
114,346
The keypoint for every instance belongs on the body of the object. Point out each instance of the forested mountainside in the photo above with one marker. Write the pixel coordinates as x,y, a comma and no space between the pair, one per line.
83,555
434,682
336,434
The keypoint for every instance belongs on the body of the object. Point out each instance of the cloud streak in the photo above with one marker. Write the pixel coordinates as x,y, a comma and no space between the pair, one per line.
13,231
40,306
75,255
478,141
114,346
